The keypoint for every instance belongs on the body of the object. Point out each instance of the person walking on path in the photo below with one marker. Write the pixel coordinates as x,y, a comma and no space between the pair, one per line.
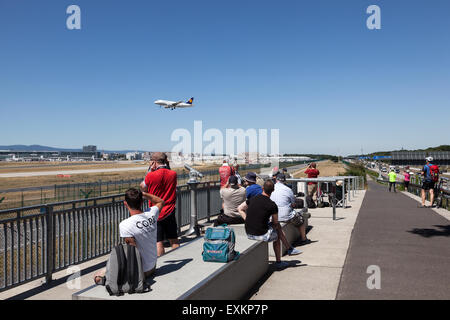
407,176
392,179
430,174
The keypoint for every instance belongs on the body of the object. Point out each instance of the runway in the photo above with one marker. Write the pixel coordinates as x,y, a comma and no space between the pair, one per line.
68,172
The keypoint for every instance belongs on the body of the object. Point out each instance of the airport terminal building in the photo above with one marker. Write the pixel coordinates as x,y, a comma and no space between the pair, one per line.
6,155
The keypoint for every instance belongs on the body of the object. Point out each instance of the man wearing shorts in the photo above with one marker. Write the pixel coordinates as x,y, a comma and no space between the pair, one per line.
162,182
260,210
428,183
284,197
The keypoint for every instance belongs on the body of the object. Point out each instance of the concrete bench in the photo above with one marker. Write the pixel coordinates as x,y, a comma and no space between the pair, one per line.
182,274
292,234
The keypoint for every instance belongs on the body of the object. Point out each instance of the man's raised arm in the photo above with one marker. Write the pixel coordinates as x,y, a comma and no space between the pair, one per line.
157,201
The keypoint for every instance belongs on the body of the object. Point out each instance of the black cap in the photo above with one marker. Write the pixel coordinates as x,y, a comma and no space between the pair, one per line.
281,177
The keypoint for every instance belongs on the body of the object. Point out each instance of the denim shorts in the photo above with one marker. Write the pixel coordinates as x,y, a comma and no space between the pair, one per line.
270,236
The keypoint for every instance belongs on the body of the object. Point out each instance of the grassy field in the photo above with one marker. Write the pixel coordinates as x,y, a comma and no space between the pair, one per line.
8,167
327,169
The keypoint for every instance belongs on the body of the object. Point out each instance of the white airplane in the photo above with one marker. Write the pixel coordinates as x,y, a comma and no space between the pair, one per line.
175,104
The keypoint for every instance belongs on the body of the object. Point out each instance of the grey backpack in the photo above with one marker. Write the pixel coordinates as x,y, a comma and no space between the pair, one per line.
124,272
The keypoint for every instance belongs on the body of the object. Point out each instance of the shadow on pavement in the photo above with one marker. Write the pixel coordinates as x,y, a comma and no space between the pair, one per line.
171,266
55,283
272,269
443,231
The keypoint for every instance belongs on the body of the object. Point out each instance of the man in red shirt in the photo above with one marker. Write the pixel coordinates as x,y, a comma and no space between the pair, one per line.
162,182
312,172
225,171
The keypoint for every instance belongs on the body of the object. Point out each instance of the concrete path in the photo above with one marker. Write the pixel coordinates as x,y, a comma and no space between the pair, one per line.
314,274
410,245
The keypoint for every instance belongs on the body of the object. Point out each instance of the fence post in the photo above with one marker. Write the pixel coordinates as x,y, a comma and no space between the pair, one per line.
208,201
50,243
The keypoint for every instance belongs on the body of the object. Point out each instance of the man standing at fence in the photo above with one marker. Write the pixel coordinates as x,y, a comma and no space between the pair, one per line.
392,179
312,173
162,182
225,171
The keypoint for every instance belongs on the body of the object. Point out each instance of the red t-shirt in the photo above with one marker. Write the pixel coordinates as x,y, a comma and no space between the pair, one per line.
163,183
312,173
225,172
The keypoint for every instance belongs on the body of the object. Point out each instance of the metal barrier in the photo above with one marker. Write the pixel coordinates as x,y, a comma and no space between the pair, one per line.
39,240
350,185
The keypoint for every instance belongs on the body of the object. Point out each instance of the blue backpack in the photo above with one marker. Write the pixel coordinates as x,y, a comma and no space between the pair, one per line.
219,244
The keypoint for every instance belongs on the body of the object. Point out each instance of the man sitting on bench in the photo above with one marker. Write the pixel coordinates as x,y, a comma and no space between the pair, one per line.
284,197
139,229
257,212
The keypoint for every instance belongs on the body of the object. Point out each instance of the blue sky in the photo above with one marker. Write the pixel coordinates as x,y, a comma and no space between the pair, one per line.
309,68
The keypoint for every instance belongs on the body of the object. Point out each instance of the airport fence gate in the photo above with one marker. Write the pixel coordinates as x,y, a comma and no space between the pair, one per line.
37,241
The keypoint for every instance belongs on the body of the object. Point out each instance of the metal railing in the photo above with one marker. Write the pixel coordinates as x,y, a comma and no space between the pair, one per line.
39,240
350,186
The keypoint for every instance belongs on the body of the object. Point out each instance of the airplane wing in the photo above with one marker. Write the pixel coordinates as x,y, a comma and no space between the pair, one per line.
176,103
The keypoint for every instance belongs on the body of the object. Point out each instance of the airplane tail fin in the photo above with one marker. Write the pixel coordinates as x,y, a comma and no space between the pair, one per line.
190,101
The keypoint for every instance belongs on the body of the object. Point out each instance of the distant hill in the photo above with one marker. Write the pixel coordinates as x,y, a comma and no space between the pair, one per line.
36,147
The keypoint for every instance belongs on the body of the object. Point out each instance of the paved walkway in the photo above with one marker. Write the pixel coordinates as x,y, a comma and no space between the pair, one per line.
315,274
410,245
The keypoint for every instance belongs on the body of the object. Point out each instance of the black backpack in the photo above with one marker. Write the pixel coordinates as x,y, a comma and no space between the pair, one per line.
309,201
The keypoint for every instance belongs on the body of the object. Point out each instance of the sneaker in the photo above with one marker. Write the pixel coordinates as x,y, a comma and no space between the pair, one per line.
303,242
292,251
281,265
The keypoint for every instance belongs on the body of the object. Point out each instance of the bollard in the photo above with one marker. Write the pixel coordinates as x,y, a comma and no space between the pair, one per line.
193,228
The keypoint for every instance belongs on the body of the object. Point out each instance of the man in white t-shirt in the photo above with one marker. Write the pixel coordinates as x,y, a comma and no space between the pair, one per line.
140,229
284,197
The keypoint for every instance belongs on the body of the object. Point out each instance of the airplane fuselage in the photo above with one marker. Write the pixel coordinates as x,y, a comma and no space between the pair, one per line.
173,104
